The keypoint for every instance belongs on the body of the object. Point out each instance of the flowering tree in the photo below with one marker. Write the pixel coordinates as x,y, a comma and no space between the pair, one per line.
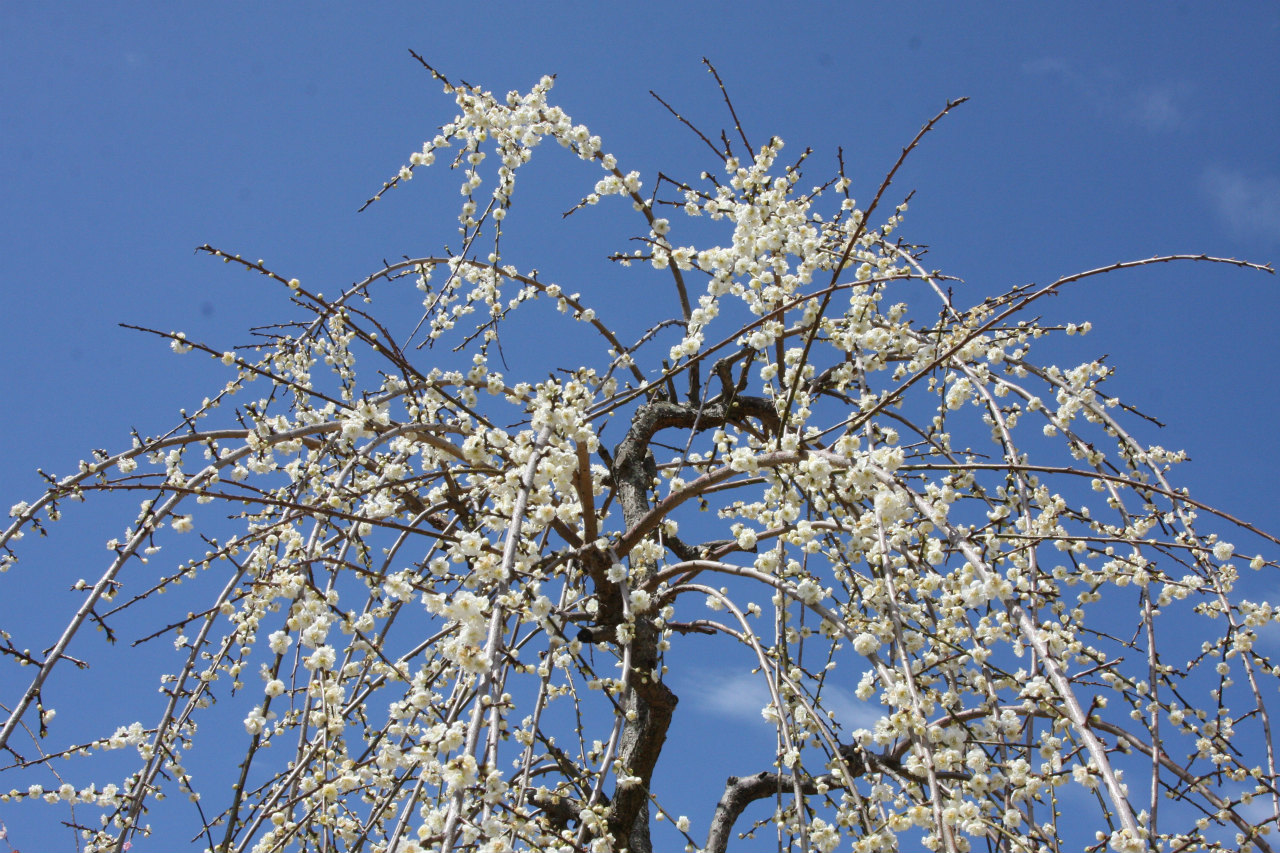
445,603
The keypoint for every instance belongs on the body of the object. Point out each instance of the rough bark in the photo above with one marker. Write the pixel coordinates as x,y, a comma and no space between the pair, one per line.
742,792
649,703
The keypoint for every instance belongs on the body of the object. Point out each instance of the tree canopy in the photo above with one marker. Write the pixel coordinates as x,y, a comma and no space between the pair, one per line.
442,579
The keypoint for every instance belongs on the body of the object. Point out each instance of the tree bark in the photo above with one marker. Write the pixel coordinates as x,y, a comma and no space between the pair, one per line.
649,703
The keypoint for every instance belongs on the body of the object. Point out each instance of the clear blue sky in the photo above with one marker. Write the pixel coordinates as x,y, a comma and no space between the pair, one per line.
1096,132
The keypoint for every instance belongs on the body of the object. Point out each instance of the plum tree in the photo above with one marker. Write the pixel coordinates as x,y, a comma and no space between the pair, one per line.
446,605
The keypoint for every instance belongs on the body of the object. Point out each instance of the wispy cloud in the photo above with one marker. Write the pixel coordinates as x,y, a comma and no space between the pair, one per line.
1248,206
742,696
1269,633
1046,65
739,695
851,712
1156,108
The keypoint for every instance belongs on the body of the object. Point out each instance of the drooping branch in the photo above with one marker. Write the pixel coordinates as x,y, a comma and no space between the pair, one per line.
740,792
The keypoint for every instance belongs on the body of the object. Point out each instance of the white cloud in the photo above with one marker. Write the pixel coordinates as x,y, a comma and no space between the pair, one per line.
1155,108
742,695
1046,65
1257,811
851,712
1248,206
1269,633
738,694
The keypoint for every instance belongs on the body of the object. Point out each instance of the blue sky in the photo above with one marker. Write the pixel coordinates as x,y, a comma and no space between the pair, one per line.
1096,132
